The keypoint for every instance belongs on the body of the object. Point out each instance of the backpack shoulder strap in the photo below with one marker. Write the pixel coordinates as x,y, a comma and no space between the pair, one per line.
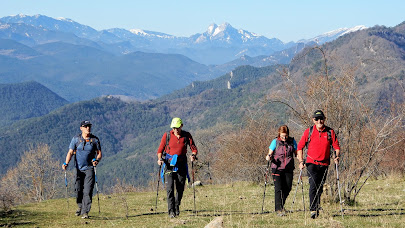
290,140
311,129
80,140
328,130
93,138
276,138
167,141
186,139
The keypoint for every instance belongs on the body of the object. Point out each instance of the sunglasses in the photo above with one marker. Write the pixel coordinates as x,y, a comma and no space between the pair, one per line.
318,118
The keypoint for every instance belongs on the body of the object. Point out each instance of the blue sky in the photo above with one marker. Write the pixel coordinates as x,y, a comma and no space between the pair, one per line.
287,20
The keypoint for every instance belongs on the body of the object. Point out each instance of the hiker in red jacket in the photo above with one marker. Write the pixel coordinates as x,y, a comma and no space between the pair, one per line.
172,155
318,139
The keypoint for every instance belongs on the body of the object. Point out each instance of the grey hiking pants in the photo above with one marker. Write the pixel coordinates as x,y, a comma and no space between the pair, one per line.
175,180
84,188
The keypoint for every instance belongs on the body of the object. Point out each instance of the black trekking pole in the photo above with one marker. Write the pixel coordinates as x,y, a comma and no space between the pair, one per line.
66,184
98,198
296,189
265,183
193,171
157,191
338,183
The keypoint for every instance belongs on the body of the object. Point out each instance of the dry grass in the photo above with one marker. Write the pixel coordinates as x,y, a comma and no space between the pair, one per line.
381,204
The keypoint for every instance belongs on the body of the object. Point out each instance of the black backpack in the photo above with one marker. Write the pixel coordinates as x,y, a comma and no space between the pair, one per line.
311,129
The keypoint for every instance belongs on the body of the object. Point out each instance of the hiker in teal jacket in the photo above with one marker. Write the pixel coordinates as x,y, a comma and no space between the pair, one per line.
281,154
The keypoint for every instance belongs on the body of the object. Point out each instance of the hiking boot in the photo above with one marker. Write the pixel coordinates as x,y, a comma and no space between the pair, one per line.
280,213
314,214
85,216
78,211
172,215
177,211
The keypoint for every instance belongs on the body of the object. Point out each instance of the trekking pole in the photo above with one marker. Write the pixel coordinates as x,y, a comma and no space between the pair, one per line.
296,189
98,199
193,171
302,189
265,183
338,182
66,184
157,191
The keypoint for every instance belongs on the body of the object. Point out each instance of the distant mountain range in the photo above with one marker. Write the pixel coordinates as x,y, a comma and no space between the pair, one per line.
79,63
217,45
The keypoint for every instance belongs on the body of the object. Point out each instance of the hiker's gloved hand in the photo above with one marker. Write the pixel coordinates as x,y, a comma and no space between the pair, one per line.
95,162
160,161
193,157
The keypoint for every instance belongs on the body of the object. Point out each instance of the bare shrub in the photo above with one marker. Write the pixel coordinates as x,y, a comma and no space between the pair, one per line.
35,178
241,154
208,143
119,189
9,193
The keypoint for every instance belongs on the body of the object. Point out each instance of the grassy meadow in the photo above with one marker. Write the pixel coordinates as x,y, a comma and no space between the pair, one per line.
380,204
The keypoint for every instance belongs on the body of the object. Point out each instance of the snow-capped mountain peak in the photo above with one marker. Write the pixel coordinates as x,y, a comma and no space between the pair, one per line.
211,28
222,28
146,33
332,35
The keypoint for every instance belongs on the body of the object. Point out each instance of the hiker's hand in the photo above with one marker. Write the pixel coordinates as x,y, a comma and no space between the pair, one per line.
95,162
64,166
336,159
193,157
160,162
302,165
269,157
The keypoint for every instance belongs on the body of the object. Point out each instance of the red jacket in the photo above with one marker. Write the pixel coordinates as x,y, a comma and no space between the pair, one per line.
318,151
177,146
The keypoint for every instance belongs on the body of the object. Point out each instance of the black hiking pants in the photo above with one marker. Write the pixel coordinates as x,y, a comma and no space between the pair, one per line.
175,181
282,187
84,188
316,176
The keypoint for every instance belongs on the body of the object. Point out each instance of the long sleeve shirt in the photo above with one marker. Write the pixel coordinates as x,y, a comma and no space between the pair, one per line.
177,145
318,151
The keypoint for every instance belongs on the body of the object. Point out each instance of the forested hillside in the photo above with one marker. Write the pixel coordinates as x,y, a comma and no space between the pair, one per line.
130,131
26,100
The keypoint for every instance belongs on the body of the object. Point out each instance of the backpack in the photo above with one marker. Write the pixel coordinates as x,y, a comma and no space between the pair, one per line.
167,148
92,139
311,129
